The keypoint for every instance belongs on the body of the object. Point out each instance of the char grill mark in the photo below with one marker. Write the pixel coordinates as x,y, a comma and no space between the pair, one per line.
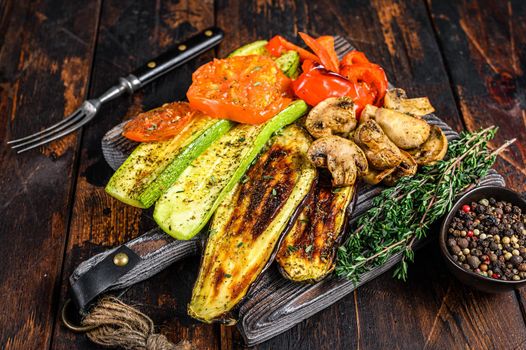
274,180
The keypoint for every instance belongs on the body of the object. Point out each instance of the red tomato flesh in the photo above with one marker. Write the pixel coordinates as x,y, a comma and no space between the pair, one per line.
246,89
159,123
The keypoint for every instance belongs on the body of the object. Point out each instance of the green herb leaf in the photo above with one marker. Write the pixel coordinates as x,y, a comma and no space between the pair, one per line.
292,248
308,248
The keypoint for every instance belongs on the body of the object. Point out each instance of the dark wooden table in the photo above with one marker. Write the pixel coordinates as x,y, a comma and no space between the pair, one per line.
469,57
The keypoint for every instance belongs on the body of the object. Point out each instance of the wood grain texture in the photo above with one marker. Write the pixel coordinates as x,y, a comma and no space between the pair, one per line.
468,56
130,34
484,46
46,48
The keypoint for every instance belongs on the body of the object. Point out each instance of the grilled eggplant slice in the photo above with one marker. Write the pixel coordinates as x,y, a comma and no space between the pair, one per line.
249,223
308,251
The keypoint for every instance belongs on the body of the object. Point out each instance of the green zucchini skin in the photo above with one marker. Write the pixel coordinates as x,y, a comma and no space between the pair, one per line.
146,165
289,63
249,223
308,251
185,208
183,160
254,48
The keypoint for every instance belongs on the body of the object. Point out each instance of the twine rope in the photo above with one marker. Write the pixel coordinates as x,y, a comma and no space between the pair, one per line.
120,325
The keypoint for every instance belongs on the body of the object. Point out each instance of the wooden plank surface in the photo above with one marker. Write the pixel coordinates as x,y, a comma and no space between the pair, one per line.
46,49
484,46
468,56
130,34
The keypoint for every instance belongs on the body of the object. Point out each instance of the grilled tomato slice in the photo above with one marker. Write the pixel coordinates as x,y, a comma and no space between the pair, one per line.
246,89
159,123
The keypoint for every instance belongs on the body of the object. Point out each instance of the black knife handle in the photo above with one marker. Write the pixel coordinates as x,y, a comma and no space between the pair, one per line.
177,56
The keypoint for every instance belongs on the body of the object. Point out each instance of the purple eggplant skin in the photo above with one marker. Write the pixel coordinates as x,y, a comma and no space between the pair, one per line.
308,251
249,225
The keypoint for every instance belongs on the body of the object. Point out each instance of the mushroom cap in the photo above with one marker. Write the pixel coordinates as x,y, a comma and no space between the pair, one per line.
407,167
373,176
433,150
342,157
332,116
397,100
404,130
380,151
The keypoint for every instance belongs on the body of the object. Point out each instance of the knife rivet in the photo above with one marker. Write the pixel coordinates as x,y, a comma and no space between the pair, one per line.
208,32
121,259
151,64
181,47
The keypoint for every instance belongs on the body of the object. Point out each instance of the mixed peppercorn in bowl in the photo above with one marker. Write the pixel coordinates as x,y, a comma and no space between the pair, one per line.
483,239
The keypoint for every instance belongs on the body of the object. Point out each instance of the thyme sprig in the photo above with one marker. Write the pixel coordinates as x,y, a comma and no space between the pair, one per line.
402,214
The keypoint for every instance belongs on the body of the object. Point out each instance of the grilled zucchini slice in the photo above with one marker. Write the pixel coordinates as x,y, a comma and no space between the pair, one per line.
255,48
185,208
308,251
154,166
249,223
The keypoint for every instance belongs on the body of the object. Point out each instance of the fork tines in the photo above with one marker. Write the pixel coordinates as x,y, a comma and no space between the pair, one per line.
74,121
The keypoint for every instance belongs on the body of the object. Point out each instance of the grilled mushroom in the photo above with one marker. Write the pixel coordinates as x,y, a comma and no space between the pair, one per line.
381,152
404,130
344,159
407,167
433,149
373,176
397,99
369,112
333,116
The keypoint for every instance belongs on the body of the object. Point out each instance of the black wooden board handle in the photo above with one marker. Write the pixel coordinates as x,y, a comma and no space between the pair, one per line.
177,56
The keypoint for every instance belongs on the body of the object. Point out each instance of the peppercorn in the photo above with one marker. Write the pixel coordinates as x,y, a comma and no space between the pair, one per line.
488,237
516,260
484,202
463,243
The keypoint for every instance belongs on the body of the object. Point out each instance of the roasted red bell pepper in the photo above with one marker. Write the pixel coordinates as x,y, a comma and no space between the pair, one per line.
279,45
316,84
328,59
356,67
354,57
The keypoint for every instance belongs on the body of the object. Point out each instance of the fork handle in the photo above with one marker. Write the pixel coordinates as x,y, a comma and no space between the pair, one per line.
173,58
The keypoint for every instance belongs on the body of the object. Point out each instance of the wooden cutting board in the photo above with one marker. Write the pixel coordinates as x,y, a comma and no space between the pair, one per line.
273,304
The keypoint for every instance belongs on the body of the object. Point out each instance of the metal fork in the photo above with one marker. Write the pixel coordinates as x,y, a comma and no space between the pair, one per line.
167,61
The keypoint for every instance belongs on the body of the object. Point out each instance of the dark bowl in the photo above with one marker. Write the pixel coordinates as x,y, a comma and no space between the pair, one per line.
482,283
